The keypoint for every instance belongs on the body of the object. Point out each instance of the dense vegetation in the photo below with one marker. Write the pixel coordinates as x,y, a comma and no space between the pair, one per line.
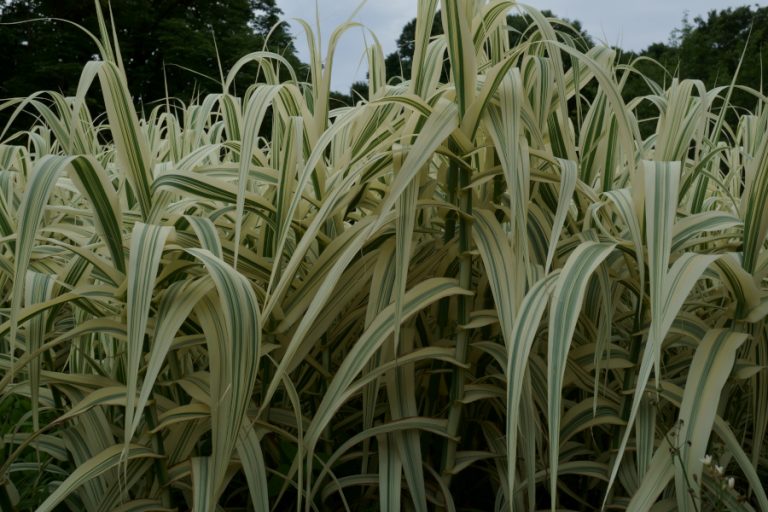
484,287
167,46
710,48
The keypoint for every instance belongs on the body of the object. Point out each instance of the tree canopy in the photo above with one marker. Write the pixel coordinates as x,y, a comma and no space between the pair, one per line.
710,47
176,42
161,41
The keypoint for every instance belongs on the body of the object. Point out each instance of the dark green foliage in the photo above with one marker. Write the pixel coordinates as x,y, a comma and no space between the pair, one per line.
159,39
710,48
15,418
707,49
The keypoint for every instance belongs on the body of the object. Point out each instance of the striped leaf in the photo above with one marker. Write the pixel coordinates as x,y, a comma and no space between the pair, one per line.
147,244
92,468
235,325
567,299
711,367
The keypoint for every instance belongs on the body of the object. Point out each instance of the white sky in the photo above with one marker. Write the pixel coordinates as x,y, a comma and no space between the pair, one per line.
630,24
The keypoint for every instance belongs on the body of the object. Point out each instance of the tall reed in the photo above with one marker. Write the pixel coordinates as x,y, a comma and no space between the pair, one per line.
486,292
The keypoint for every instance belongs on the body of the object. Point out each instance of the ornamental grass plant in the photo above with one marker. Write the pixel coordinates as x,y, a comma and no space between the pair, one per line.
497,288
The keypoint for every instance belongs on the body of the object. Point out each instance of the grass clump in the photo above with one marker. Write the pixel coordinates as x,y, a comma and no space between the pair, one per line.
479,288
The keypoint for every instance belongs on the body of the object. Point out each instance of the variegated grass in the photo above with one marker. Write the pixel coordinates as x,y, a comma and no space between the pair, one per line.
452,295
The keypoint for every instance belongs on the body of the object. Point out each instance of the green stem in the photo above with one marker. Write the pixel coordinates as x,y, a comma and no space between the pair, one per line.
462,335
5,500
150,416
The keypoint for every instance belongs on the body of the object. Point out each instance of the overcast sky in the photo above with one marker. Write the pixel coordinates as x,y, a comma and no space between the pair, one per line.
630,24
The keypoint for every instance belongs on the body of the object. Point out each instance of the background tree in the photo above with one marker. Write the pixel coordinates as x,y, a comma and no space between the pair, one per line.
160,40
398,63
711,47
708,49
